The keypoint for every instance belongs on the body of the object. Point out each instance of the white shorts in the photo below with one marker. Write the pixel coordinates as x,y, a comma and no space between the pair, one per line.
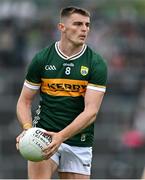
73,159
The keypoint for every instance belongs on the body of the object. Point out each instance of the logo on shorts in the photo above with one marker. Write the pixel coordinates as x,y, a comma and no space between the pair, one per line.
88,165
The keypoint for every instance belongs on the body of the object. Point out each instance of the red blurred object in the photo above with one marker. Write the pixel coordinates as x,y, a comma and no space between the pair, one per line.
133,139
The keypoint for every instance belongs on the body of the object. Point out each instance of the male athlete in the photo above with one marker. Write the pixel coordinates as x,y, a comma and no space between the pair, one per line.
71,80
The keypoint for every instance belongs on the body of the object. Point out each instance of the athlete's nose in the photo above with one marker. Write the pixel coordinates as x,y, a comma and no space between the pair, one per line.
85,28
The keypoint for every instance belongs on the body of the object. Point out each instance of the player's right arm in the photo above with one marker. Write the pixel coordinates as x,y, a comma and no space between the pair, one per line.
23,109
31,87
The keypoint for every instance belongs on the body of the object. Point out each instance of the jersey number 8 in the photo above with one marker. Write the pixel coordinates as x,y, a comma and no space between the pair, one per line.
67,70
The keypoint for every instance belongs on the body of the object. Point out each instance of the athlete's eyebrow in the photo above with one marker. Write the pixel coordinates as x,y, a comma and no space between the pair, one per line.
80,23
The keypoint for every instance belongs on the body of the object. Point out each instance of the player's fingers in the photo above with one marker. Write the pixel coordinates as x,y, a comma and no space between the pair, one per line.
20,136
17,145
17,142
47,156
46,150
17,139
49,133
49,148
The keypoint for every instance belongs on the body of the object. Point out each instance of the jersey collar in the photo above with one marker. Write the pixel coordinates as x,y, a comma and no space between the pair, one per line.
75,56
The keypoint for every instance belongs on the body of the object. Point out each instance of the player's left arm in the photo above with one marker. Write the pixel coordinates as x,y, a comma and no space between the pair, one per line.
93,100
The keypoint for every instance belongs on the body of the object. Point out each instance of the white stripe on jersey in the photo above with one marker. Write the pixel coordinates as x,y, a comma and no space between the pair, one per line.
102,89
35,87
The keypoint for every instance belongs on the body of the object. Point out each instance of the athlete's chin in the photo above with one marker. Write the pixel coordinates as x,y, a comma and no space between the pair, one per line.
80,43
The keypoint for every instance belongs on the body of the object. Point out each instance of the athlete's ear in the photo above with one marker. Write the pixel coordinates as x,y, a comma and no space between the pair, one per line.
61,27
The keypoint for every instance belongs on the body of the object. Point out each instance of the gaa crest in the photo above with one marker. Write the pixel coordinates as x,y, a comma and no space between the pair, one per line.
84,70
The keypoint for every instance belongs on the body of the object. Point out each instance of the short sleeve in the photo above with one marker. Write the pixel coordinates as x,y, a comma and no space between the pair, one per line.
98,74
33,75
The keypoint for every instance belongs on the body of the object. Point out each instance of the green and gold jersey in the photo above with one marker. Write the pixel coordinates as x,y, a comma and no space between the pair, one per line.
63,81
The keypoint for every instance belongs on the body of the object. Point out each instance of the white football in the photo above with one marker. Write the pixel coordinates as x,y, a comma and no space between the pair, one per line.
33,142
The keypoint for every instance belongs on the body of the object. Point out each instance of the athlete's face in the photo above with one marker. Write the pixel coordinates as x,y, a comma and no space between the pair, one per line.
75,28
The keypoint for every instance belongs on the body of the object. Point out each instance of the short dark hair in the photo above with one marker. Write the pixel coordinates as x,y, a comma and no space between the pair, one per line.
65,12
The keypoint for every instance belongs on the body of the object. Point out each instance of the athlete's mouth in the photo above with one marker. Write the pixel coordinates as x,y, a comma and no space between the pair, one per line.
82,37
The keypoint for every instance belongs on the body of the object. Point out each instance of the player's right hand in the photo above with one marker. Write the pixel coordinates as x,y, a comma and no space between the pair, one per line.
18,138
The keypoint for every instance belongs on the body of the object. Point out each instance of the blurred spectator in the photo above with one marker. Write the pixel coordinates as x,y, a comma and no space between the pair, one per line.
133,139
7,42
12,44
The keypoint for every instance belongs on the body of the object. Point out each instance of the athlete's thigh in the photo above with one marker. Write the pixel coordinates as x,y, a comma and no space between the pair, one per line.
41,170
67,175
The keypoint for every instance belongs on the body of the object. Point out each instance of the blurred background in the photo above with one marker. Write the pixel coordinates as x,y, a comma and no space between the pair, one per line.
118,34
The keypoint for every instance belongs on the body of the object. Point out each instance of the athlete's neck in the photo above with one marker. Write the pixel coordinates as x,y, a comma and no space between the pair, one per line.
69,49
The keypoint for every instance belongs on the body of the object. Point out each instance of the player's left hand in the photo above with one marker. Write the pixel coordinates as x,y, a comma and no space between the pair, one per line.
53,146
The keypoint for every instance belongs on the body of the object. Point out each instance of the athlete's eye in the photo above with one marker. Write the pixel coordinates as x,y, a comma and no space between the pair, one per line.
78,23
81,24
88,24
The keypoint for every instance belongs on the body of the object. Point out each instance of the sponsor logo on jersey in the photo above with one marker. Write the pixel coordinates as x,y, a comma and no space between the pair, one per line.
84,70
68,64
50,67
64,87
